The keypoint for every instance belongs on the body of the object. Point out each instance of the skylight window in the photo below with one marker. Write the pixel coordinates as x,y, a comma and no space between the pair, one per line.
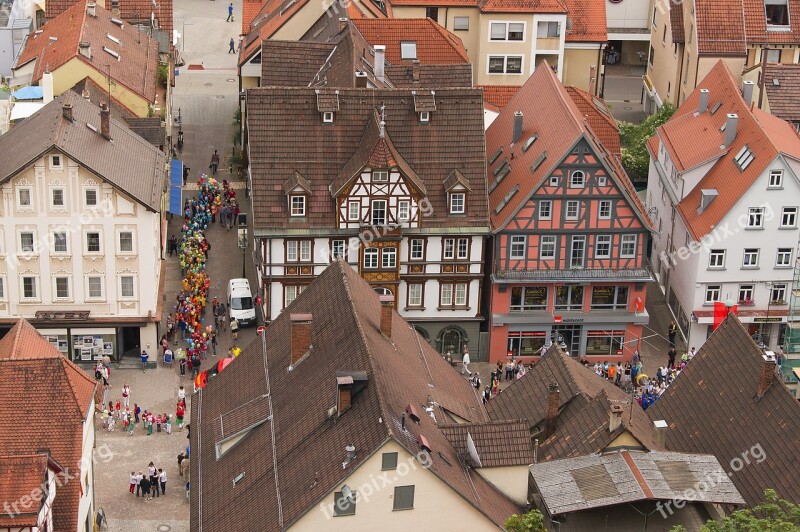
529,142
112,53
408,50
744,158
777,12
112,38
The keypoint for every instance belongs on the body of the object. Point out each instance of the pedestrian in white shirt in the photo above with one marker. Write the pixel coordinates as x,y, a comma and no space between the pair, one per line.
465,362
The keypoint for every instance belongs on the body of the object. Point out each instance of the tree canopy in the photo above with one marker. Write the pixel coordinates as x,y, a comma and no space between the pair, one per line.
633,139
772,515
533,521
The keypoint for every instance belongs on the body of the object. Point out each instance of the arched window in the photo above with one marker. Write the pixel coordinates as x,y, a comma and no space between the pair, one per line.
577,179
382,291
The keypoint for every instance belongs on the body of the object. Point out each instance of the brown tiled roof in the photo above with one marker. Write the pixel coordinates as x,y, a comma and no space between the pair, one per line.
98,95
588,21
435,45
277,118
720,27
497,443
544,101
713,407
292,63
595,111
310,446
136,68
676,22
30,384
130,163
584,407
21,476
430,76
498,96
692,140
783,98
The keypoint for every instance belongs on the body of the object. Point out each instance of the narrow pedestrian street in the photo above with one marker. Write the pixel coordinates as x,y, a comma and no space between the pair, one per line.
207,99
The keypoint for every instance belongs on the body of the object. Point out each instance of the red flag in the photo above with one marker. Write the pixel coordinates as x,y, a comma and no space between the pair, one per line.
720,312
734,310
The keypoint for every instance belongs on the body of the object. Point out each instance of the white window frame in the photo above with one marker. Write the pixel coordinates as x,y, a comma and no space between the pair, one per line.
553,180
547,243
389,258
292,250
547,25
21,246
750,258
505,58
548,215
403,211
577,207
424,117
63,191
462,248
373,255
602,240
448,248
408,50
120,251
604,205
506,24
120,286
415,299
413,253
297,205
627,240
327,117
778,289
786,254
86,203
775,179
577,179
89,296
304,248
745,289
755,218
295,290
55,251
460,294
603,181
51,160
458,202
380,176
446,294
789,218
20,205
338,249
713,290
58,278
517,244
458,24
86,234
716,259
372,210
37,296
353,211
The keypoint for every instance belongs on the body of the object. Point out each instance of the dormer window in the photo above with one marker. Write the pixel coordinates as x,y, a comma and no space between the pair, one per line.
298,205
777,12
327,117
408,50
457,202
457,186
424,117
380,176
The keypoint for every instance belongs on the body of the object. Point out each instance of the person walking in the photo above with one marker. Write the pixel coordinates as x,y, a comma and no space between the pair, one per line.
214,342
230,16
181,394
465,363
232,46
139,477
671,356
126,396
145,484
234,328
214,162
144,356
162,481
181,458
182,365
671,333
133,482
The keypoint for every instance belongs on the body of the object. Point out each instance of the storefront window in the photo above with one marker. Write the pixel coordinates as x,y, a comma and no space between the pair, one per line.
526,343
528,298
604,343
569,297
57,338
609,297
91,345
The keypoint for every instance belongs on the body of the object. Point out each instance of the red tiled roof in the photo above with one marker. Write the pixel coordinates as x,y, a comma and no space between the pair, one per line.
131,11
714,407
692,139
601,121
269,19
442,3
720,27
435,45
21,476
23,341
756,28
29,387
523,6
250,10
588,21
498,96
136,67
309,447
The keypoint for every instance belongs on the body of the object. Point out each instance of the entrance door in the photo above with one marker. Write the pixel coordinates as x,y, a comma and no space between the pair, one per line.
453,341
131,342
570,335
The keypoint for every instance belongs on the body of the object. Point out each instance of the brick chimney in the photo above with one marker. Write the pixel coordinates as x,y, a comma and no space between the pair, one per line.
361,80
301,335
415,70
616,418
66,111
552,411
660,433
767,373
387,308
105,121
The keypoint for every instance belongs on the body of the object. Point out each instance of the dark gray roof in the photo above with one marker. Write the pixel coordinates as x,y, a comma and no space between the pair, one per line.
128,162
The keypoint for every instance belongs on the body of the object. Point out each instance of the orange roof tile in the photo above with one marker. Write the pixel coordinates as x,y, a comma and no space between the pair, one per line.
442,3
131,11
692,138
588,21
20,476
720,27
594,110
435,45
523,6
250,9
23,341
498,96
755,22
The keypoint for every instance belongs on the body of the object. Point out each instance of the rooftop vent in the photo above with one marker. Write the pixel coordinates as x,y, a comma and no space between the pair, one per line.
702,106
423,443
731,121
538,162
747,92
238,478
506,199
412,413
112,38
517,133
112,53
91,9
496,155
350,449
529,142
776,82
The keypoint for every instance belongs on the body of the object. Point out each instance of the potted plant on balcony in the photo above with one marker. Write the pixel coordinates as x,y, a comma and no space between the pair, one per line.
777,302
746,302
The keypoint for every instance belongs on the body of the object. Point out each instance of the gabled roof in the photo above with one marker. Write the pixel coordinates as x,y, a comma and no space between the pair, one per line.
496,443
595,111
134,63
129,162
733,419
309,446
329,154
693,139
131,11
782,84
585,401
435,45
543,101
33,377
623,477
21,475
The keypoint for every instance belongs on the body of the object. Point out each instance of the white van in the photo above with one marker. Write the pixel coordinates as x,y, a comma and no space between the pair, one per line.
240,302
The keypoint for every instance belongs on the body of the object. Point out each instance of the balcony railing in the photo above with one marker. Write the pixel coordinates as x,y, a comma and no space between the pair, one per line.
641,275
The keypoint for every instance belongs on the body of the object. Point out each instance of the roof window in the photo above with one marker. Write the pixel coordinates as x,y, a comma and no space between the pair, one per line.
408,50
744,158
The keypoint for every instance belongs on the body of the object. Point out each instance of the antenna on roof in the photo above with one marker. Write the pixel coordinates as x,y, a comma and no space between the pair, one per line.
383,119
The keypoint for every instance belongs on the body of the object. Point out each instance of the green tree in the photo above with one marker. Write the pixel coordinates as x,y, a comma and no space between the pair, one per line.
237,126
772,515
633,139
533,521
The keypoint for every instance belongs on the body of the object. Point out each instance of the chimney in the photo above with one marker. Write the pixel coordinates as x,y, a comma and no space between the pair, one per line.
660,433
767,373
415,70
115,7
517,126
747,92
85,49
361,80
616,418
105,121
301,335
387,306
344,394
350,449
66,111
702,107
90,9
380,61
47,86
731,121
342,23
86,94
552,411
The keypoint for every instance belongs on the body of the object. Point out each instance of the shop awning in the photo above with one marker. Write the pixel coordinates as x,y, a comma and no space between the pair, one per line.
176,187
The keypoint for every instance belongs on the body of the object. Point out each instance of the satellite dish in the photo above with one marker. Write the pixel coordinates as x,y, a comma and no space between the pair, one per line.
473,452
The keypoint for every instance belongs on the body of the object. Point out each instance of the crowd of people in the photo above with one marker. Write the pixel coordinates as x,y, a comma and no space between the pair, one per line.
153,484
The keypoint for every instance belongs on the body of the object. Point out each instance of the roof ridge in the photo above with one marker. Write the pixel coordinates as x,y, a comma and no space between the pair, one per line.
448,35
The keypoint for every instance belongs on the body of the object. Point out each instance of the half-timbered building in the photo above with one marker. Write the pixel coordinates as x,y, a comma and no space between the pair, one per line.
392,181
567,255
